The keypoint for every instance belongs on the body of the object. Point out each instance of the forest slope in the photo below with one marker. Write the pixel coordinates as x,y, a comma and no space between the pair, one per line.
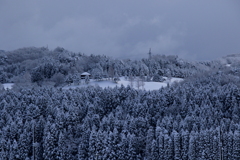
197,118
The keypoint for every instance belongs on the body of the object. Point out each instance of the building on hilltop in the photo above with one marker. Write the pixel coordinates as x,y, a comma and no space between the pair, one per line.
85,74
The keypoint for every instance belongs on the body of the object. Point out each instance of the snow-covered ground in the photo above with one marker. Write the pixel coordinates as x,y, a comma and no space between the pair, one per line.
147,85
228,65
7,85
123,81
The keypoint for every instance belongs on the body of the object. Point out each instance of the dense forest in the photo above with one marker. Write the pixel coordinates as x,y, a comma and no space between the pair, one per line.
196,119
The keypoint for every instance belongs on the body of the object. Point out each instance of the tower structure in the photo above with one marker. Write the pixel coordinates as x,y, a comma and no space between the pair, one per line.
150,53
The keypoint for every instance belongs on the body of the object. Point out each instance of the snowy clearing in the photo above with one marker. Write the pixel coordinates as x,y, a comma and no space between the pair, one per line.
7,85
108,83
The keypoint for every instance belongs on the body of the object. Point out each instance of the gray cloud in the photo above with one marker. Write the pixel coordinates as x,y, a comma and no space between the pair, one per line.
192,29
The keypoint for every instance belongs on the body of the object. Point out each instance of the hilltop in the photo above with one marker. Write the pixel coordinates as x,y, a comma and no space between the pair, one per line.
59,67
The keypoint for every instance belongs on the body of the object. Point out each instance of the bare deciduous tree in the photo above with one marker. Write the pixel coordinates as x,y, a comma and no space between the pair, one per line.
139,83
131,80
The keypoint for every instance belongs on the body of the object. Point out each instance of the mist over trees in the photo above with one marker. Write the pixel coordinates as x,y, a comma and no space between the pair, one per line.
197,118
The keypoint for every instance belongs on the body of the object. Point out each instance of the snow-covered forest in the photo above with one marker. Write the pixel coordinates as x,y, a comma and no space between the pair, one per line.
59,66
197,118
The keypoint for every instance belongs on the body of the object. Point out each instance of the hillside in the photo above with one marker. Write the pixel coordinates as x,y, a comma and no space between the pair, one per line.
58,67
197,118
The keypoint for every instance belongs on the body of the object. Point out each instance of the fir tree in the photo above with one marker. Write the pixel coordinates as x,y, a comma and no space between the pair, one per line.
154,151
236,144
177,145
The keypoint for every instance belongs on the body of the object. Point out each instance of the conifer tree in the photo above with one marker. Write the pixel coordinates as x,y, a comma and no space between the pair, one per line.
154,151
177,145
192,152
50,143
84,145
132,152
236,144
61,149
123,147
185,144
14,150
92,150
149,139
230,145
24,145
160,142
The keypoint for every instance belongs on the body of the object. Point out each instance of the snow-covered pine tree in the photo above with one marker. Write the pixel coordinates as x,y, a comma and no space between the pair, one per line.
236,144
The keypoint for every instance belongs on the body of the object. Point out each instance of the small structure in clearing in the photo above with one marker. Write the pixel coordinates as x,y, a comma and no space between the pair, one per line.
85,74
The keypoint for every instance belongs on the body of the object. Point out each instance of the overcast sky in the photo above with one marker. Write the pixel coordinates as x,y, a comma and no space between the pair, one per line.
192,29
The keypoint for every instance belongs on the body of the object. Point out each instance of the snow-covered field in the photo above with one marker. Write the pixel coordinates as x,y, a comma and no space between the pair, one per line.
147,85
7,85
108,83
228,65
